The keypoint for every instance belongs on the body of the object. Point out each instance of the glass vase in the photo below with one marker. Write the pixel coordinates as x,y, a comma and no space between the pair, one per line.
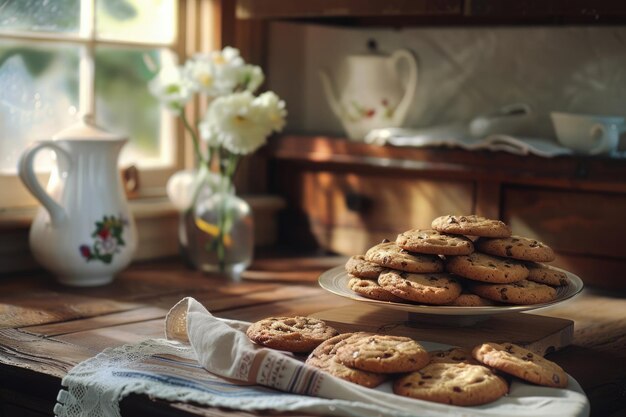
219,229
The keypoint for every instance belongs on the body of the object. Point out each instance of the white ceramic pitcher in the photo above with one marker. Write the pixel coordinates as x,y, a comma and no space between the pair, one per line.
84,232
370,94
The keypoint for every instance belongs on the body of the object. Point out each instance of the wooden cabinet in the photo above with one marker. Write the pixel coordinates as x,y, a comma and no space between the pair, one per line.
348,212
345,196
584,228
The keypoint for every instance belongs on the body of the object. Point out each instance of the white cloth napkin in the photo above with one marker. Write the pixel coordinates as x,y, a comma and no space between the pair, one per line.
222,368
457,136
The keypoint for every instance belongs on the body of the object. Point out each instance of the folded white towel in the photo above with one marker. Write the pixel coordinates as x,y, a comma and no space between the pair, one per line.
457,136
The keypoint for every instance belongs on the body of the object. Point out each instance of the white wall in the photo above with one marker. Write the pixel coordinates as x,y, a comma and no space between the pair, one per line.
463,71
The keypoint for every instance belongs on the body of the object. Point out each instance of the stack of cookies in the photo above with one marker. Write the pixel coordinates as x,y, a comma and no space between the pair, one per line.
454,376
462,261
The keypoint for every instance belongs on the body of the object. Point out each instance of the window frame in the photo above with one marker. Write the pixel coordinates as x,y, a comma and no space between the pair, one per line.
197,30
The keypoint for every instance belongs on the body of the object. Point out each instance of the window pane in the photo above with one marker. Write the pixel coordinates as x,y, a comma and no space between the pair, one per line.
40,15
124,105
136,20
39,86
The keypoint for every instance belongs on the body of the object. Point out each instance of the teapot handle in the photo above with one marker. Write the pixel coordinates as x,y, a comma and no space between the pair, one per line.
605,138
411,85
27,175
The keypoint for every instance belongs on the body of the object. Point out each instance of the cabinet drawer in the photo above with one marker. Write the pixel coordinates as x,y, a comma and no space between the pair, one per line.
348,212
571,222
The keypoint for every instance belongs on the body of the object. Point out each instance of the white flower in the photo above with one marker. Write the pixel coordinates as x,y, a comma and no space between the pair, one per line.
251,78
171,88
241,122
232,121
200,73
222,72
274,111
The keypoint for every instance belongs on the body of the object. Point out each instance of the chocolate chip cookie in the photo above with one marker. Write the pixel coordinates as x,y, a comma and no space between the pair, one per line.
522,363
471,225
471,300
390,255
382,353
545,274
433,242
453,355
516,247
421,288
519,292
359,267
452,383
481,267
370,289
293,334
324,358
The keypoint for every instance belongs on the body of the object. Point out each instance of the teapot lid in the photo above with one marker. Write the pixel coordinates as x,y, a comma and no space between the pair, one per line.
86,129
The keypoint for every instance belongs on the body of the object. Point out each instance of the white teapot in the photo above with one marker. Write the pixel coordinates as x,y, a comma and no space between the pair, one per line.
84,232
370,94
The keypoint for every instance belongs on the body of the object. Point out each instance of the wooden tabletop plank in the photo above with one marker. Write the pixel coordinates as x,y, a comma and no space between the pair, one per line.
138,315
215,301
35,353
100,339
302,307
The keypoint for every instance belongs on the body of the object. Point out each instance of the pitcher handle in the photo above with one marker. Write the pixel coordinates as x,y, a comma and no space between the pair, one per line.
27,175
411,85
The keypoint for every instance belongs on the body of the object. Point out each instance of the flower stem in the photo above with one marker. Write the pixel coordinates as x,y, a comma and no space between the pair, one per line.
196,141
224,214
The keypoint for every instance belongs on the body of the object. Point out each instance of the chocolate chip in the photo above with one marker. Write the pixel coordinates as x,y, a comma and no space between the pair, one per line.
385,241
503,294
508,250
556,378
457,389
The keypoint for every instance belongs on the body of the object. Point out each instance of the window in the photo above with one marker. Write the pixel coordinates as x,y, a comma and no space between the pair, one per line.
63,58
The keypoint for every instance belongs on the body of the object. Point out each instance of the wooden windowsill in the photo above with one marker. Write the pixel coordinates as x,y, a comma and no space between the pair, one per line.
157,225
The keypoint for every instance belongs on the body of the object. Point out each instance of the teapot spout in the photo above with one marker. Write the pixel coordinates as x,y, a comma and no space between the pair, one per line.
331,96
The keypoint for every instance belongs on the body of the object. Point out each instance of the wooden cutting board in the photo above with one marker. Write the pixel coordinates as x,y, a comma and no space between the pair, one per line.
541,334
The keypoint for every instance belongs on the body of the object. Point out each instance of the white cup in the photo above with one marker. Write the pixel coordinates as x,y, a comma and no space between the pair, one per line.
588,134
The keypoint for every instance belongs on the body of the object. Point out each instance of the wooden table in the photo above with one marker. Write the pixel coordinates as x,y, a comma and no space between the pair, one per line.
46,329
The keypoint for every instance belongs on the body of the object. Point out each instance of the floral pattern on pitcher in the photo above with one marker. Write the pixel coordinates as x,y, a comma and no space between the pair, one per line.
107,240
358,112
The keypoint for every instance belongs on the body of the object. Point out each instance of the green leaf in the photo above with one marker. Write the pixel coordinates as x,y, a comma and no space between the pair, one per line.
172,88
106,258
